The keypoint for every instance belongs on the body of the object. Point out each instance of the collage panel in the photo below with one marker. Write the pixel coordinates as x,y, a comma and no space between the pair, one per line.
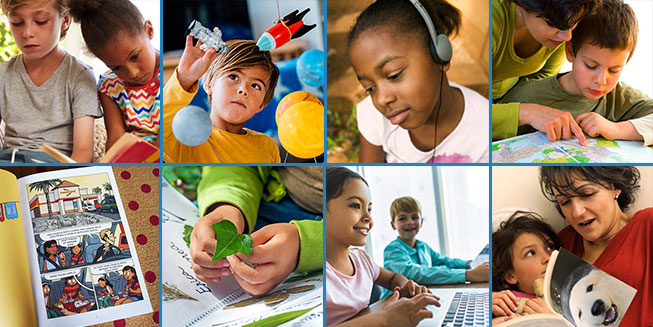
572,81
407,246
244,81
570,244
81,245
408,81
242,245
90,67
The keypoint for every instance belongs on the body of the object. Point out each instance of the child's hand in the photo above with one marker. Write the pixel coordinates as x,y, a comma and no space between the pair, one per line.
499,320
203,242
479,274
556,124
276,251
410,289
536,306
408,312
504,303
594,125
193,63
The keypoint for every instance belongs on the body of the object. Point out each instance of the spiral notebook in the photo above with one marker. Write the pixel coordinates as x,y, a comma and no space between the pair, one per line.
187,301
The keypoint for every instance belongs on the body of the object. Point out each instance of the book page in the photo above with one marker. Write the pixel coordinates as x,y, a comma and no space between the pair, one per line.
536,320
16,302
584,294
187,301
81,252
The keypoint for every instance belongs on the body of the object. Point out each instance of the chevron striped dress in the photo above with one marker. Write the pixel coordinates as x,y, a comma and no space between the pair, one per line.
140,105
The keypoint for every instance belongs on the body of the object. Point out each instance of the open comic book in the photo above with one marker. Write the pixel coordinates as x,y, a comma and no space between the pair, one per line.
581,295
535,148
187,301
67,254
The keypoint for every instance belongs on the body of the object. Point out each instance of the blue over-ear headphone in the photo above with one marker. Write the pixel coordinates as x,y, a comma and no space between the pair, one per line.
439,45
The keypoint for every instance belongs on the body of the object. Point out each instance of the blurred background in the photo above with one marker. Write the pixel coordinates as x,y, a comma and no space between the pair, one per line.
469,67
454,200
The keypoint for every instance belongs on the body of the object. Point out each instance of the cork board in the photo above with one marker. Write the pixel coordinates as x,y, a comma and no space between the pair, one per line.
139,191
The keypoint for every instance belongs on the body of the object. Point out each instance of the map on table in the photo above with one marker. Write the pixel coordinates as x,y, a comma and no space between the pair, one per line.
535,148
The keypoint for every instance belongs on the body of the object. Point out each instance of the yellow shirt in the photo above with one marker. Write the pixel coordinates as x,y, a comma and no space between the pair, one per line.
221,146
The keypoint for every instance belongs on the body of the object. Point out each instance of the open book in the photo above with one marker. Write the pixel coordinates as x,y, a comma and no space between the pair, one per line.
129,148
535,148
187,301
581,295
67,254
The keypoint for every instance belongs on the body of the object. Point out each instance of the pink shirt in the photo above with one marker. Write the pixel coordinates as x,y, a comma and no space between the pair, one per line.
347,295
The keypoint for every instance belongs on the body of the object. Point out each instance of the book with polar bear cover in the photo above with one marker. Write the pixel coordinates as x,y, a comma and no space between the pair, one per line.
67,253
581,295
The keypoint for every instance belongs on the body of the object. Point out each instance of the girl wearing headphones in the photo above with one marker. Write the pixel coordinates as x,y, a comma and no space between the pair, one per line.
400,52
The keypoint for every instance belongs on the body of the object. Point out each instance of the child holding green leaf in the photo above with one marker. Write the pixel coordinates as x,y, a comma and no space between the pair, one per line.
280,206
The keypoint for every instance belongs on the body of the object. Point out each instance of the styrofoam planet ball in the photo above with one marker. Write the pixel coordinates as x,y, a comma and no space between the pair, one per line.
292,98
310,68
192,125
301,129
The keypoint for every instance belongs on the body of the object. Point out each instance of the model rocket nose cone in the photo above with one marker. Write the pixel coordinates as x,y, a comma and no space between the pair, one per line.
255,48
265,42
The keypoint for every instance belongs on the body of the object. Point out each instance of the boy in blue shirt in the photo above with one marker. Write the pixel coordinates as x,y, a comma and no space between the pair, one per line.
416,260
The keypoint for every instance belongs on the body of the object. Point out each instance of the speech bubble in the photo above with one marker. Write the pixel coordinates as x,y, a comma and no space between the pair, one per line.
70,241
61,274
72,232
105,268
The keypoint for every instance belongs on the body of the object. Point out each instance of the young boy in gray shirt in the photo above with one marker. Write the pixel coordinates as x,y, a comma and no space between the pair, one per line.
47,96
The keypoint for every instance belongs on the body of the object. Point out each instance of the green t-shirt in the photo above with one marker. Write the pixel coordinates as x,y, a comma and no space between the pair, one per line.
509,69
623,103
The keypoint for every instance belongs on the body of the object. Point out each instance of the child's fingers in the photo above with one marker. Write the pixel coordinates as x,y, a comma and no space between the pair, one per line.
255,275
189,41
262,236
578,132
507,310
255,290
423,314
513,297
497,310
424,299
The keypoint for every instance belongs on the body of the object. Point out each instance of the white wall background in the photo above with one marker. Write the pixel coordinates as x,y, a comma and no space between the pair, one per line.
638,72
463,193
519,186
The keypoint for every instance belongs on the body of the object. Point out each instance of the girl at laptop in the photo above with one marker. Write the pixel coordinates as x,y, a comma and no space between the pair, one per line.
351,273
415,259
521,249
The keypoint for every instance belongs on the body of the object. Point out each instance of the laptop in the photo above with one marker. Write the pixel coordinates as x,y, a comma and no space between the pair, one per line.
460,307
482,257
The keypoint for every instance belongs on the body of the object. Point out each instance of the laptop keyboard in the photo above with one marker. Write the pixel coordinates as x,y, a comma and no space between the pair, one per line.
468,309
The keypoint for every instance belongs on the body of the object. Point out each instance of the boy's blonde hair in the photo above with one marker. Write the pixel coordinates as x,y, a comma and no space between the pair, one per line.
404,204
8,6
240,56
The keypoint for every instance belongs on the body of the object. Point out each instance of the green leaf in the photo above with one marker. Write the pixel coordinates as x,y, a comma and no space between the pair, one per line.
229,241
188,229
278,319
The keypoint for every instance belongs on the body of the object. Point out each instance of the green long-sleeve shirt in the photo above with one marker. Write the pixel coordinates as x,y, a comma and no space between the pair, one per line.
243,187
623,103
509,69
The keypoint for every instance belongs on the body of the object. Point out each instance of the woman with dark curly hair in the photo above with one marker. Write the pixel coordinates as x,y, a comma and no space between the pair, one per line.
594,200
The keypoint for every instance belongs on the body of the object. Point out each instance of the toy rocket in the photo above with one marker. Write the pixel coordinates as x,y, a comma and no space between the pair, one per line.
290,27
